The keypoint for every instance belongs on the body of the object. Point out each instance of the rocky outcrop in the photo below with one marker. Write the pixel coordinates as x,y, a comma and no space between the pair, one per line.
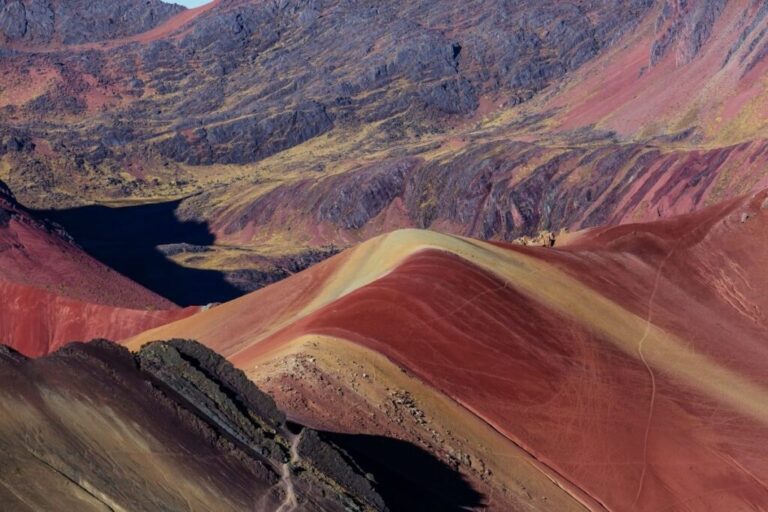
6,195
752,38
244,80
183,409
686,27
204,378
503,191
40,22
247,139
277,268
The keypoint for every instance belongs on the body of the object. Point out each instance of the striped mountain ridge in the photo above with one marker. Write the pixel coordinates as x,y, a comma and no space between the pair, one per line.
608,362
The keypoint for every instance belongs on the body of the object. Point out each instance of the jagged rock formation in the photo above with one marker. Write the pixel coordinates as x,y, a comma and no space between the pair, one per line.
175,426
685,27
42,22
244,80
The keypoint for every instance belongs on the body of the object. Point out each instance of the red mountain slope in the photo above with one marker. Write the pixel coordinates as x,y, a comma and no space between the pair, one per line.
628,367
36,322
54,293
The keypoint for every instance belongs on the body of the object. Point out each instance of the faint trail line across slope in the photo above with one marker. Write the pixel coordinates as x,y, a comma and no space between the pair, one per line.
651,374
91,493
727,459
746,471
450,312
586,500
17,495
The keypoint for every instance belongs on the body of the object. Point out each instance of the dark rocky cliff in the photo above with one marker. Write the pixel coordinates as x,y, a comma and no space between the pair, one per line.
40,22
245,80
174,405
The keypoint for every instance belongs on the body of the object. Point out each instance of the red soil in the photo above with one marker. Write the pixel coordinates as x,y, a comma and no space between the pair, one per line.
33,256
568,397
622,91
610,415
172,26
54,293
35,322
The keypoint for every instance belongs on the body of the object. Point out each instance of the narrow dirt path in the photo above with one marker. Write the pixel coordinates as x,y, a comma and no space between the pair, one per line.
651,374
290,503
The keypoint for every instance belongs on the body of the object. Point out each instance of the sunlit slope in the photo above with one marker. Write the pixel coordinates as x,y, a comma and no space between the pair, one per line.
341,386
36,322
631,362
691,73
667,119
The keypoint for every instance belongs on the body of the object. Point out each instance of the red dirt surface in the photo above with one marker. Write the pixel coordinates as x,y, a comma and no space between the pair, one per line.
53,292
34,254
171,27
631,364
720,91
35,322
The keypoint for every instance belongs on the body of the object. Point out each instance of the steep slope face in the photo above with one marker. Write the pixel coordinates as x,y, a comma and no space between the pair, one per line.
665,121
37,322
497,190
332,384
293,127
694,75
45,22
174,427
42,255
239,81
628,366
54,293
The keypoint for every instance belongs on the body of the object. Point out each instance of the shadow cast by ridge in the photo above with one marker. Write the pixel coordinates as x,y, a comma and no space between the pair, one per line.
409,478
126,239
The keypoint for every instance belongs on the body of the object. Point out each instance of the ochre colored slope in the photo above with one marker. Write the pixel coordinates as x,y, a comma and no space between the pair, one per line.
631,364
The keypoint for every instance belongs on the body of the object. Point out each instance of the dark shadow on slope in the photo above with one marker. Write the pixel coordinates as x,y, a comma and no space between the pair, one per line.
126,239
409,478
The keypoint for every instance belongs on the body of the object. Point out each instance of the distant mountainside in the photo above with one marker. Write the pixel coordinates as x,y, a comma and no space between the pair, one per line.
288,128
241,81
45,22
